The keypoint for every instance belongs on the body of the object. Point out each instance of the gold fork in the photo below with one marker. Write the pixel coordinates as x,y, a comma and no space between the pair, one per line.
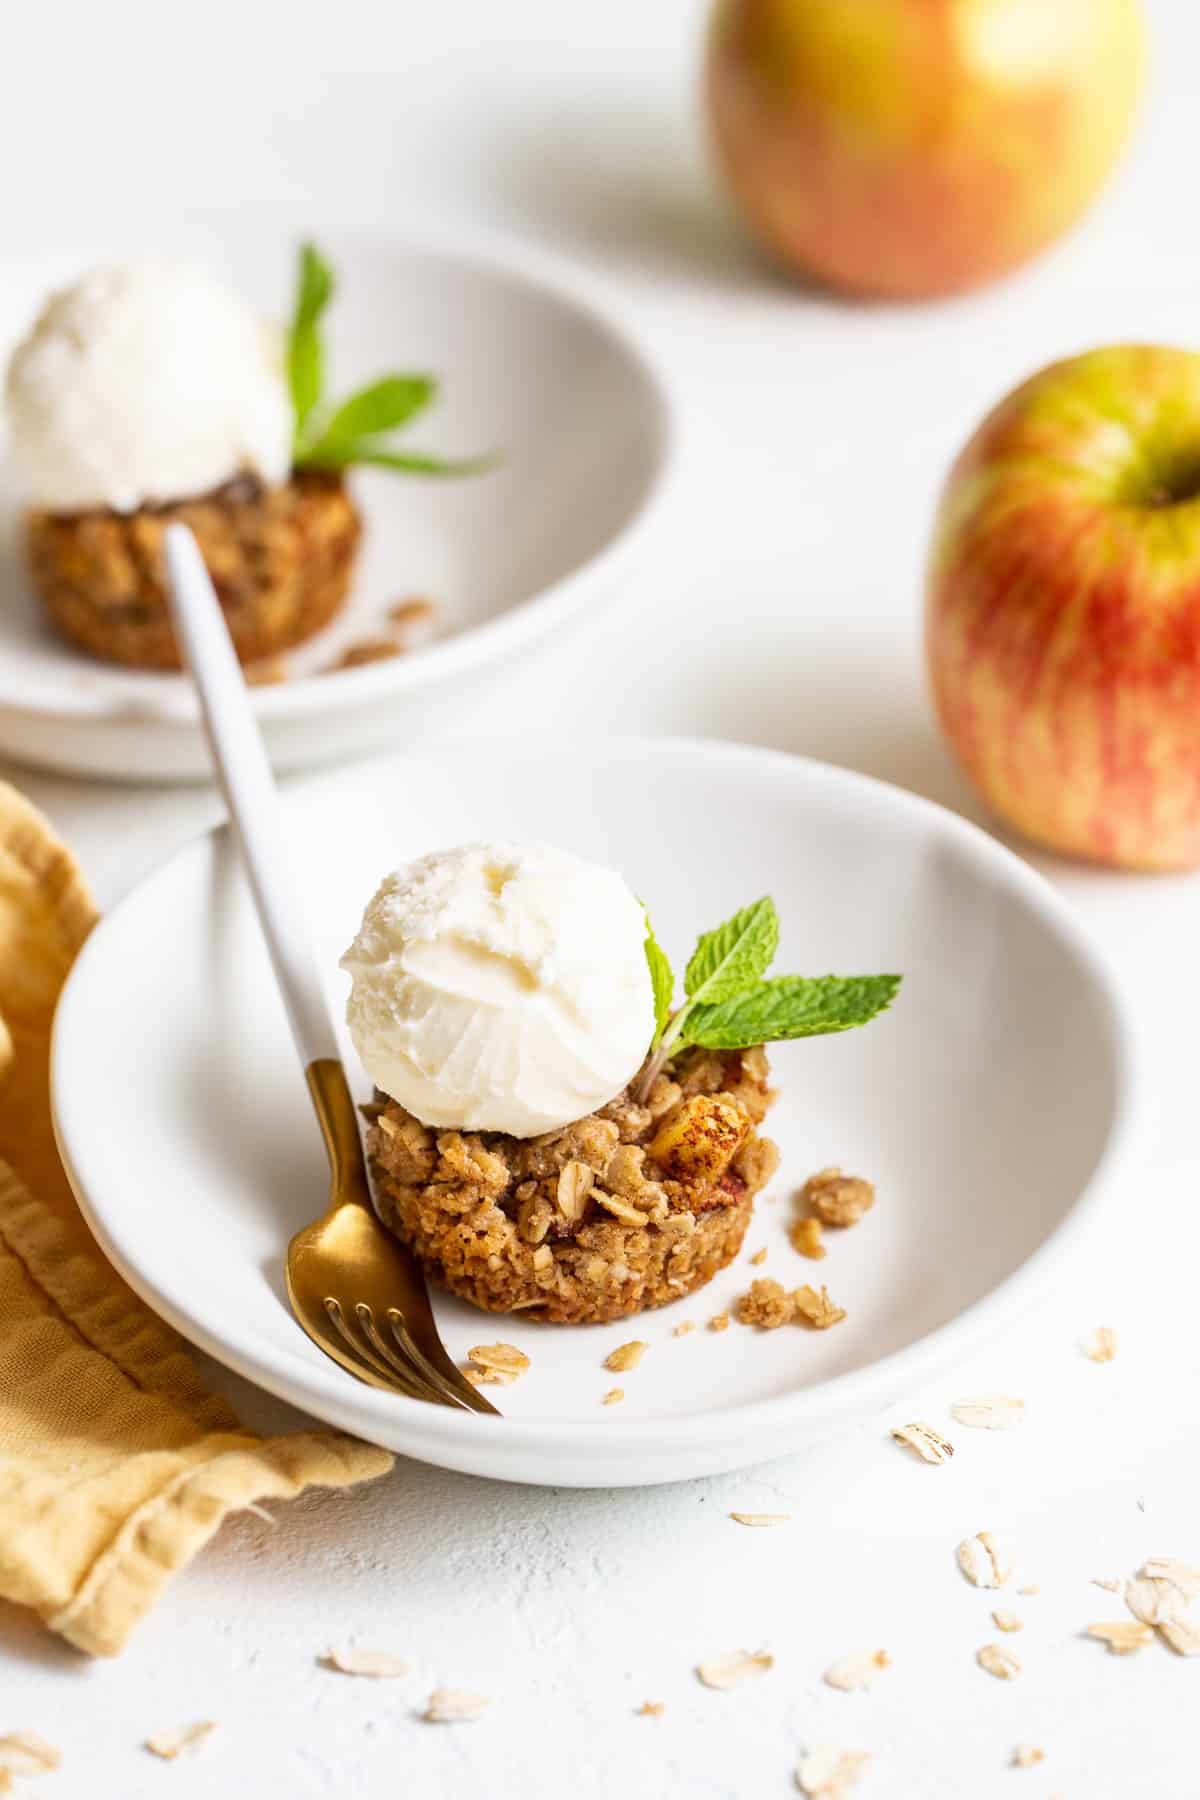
356,1290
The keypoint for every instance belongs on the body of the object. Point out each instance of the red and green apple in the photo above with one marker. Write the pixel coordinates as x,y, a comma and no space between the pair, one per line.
1063,607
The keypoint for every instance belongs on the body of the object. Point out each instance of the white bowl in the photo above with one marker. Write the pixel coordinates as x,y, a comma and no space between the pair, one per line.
527,367
990,1105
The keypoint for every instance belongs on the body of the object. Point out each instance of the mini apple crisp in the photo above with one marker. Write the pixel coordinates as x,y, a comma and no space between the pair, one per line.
634,1206
281,559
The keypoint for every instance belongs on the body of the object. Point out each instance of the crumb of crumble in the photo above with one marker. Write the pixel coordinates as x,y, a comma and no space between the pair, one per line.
837,1199
496,1363
768,1305
805,1237
719,1322
613,1396
759,1258
813,1307
366,650
625,1356
413,609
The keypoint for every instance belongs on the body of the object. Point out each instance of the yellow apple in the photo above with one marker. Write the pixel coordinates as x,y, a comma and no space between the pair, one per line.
916,147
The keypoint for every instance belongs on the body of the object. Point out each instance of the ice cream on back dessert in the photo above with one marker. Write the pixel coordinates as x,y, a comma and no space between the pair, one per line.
548,1135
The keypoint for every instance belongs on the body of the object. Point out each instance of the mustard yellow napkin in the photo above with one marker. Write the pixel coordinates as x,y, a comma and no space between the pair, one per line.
116,1463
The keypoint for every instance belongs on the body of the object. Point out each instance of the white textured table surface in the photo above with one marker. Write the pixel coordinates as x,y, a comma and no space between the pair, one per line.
787,614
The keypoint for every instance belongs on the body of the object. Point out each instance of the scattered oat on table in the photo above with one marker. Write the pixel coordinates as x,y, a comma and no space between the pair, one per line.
814,1308
379,1664
1180,1574
684,1327
759,1257
1027,1756
1031,1587
929,1444
1122,1635
652,1709
182,1740
626,1356
1154,1601
836,1199
451,1706
999,1661
990,1412
828,1772
805,1236
719,1322
985,1560
858,1670
1100,1345
613,1396
1004,1620
1183,1636
25,1753
730,1671
761,1518
1112,1584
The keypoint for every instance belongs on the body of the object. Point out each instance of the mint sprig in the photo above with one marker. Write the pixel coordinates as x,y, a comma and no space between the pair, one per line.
731,1006
357,430
305,350
662,978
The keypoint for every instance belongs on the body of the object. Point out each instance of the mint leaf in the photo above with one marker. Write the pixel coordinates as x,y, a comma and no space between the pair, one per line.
662,978
383,406
411,462
790,1006
305,353
734,955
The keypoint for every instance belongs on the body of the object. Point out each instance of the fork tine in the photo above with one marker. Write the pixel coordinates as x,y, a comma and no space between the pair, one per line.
449,1381
349,1357
413,1368
382,1374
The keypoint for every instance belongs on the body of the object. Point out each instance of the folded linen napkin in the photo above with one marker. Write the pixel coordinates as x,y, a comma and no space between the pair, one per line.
116,1463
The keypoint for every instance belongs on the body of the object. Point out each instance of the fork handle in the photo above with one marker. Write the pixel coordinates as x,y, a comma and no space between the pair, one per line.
249,789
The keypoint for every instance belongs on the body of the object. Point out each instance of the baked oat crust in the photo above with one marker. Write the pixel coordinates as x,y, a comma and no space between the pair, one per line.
632,1207
280,558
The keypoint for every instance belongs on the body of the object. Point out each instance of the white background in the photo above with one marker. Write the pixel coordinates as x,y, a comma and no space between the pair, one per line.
787,612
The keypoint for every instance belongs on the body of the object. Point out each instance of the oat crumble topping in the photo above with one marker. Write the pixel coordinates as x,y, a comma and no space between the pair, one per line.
637,1205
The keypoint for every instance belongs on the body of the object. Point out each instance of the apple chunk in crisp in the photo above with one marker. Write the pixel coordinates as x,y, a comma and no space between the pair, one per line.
549,1134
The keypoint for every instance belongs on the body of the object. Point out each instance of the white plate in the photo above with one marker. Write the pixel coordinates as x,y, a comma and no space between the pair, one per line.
527,366
989,1105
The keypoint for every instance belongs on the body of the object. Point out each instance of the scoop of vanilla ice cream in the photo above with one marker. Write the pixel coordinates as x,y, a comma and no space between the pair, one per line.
144,383
502,988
